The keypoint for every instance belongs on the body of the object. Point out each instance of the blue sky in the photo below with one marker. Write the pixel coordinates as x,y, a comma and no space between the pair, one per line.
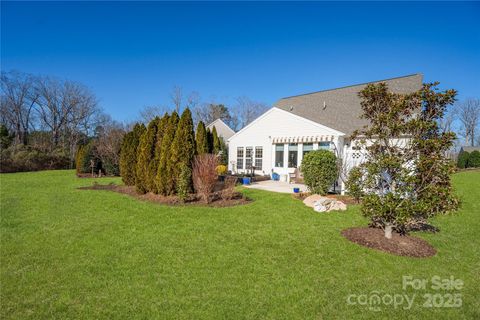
132,54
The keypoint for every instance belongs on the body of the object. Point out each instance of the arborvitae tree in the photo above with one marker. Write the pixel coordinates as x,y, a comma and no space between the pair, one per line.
217,146
224,149
474,159
164,180
153,169
184,183
128,154
183,148
201,138
85,154
209,140
462,160
153,165
145,152
79,159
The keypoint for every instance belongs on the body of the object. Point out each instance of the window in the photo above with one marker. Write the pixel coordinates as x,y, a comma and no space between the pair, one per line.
324,145
307,147
292,155
279,155
248,158
240,158
258,158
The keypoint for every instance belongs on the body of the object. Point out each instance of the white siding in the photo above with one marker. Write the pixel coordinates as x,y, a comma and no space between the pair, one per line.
355,154
276,123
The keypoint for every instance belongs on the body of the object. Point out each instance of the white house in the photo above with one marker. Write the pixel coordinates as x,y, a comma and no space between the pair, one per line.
223,130
278,139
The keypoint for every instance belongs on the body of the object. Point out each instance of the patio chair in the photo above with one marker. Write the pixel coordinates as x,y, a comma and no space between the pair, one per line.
292,176
296,176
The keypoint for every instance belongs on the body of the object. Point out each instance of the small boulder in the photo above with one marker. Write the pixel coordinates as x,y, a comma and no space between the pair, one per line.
320,207
327,204
310,200
338,205
341,206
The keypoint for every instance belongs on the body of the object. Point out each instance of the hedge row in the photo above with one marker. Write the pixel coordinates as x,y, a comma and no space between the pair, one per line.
468,160
159,158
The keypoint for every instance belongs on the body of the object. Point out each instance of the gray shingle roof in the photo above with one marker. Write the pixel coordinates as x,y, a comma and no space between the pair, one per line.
470,149
342,105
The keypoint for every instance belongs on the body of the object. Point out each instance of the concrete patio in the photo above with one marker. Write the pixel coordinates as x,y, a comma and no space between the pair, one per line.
277,186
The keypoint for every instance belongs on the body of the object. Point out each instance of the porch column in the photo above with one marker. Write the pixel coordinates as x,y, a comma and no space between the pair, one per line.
299,154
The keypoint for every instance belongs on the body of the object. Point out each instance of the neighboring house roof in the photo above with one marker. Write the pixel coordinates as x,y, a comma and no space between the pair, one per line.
340,108
223,130
470,149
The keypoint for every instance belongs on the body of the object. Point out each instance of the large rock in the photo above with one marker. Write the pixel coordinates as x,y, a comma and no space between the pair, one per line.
324,204
310,200
319,206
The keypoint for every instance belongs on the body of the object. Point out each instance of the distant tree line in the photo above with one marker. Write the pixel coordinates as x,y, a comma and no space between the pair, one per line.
43,120
52,123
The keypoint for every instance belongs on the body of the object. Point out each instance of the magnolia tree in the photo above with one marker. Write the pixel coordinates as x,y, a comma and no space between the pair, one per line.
405,176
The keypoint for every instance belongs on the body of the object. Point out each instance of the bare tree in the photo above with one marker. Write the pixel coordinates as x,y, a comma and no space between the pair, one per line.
446,123
177,97
67,110
17,103
150,112
193,100
209,112
468,113
247,110
63,106
109,136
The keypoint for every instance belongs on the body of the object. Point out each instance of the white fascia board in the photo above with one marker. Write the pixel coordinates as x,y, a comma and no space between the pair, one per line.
253,122
333,131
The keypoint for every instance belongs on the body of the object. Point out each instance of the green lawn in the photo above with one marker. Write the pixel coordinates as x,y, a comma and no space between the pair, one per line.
68,253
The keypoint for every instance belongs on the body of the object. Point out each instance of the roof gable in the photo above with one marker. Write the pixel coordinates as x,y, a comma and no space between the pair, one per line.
470,148
275,113
340,108
222,128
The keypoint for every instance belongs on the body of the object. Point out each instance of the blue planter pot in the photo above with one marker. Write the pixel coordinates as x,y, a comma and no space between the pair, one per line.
296,190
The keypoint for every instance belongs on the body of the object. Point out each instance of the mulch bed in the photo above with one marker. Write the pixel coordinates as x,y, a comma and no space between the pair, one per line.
192,200
374,238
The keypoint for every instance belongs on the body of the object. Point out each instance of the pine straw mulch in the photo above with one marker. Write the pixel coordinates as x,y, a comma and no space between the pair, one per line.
192,200
407,246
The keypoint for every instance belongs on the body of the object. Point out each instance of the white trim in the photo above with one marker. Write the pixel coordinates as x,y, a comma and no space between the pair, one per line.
251,123
333,131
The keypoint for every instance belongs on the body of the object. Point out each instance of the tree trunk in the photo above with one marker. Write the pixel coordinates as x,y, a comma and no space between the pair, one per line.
18,134
388,230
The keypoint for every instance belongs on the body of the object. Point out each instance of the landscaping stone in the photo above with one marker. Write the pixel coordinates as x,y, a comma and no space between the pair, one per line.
324,204
310,200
